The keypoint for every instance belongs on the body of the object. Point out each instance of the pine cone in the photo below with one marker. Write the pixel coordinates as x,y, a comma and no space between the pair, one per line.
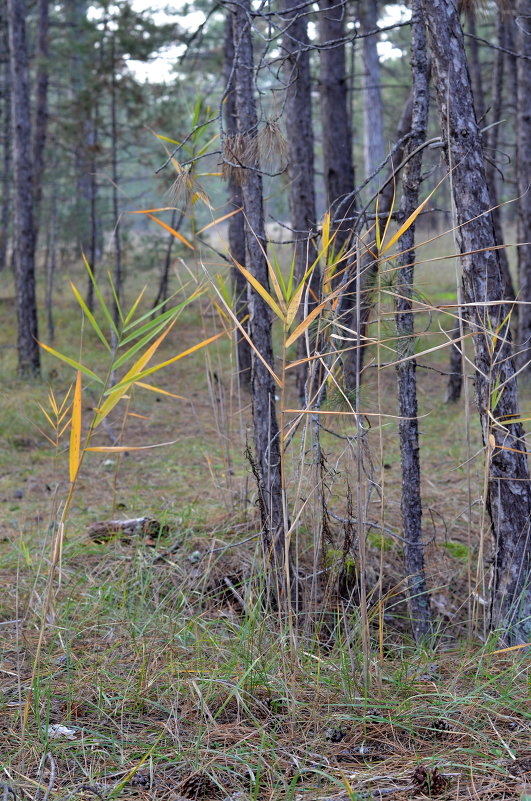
199,787
429,782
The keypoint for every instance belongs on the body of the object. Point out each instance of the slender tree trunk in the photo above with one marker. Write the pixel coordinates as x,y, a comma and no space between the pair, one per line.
508,490
41,111
51,256
301,169
266,431
118,271
523,171
411,502
162,292
93,199
335,117
373,128
6,153
24,234
455,377
475,64
236,228
492,173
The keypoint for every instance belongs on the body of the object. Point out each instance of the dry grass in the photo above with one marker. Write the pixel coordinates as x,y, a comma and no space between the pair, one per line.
176,682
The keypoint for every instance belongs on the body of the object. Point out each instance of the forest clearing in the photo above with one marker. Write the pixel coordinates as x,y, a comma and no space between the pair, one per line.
265,326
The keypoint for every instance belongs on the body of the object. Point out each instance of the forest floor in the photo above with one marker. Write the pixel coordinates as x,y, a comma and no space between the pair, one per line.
166,675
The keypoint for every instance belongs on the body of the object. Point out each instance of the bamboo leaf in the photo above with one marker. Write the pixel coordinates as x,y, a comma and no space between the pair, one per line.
135,305
115,296
301,328
116,392
159,391
264,294
133,378
410,220
219,220
75,431
377,226
90,316
171,230
138,345
124,448
71,362
102,303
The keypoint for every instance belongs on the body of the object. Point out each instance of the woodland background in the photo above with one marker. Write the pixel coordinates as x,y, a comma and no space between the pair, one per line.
294,563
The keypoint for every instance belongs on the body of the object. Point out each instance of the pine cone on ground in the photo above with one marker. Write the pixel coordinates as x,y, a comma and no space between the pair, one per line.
429,782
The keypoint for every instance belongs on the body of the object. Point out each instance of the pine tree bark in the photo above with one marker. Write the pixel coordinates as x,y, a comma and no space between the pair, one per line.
523,171
6,144
24,233
373,129
266,431
508,490
41,110
301,169
335,117
236,227
411,500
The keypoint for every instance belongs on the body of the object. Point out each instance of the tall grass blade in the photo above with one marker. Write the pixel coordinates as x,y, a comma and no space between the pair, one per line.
75,431
90,316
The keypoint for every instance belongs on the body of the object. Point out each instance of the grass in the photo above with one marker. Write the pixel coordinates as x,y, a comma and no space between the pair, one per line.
162,661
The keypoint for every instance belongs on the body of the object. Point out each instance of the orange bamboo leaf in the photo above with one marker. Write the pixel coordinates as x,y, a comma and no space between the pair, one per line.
75,431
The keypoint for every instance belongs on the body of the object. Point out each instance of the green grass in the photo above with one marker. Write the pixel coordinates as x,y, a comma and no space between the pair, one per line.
164,661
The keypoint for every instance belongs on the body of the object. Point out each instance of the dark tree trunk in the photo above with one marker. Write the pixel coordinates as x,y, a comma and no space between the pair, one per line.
118,271
492,172
523,171
411,502
41,111
301,171
6,149
508,490
373,128
455,377
475,64
24,234
51,255
236,227
162,292
266,431
93,198
335,117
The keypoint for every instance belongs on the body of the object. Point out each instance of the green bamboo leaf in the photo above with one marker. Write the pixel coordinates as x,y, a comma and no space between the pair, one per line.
148,327
115,295
71,362
90,316
138,346
102,303
134,306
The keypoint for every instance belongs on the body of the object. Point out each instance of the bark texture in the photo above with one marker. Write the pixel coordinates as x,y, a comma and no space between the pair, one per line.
508,491
335,117
523,170
301,171
6,143
266,432
24,234
41,110
236,228
411,501
373,128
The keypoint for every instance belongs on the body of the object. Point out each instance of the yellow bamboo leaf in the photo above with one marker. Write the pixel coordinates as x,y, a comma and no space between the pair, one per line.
171,230
45,413
219,220
159,390
124,448
75,431
264,294
410,220
301,328
120,389
140,416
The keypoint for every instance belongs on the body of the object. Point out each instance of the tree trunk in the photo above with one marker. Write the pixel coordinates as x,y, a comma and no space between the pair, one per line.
411,501
475,64
6,151
118,272
41,111
523,171
492,172
24,234
266,431
301,170
335,117
373,128
236,228
508,491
